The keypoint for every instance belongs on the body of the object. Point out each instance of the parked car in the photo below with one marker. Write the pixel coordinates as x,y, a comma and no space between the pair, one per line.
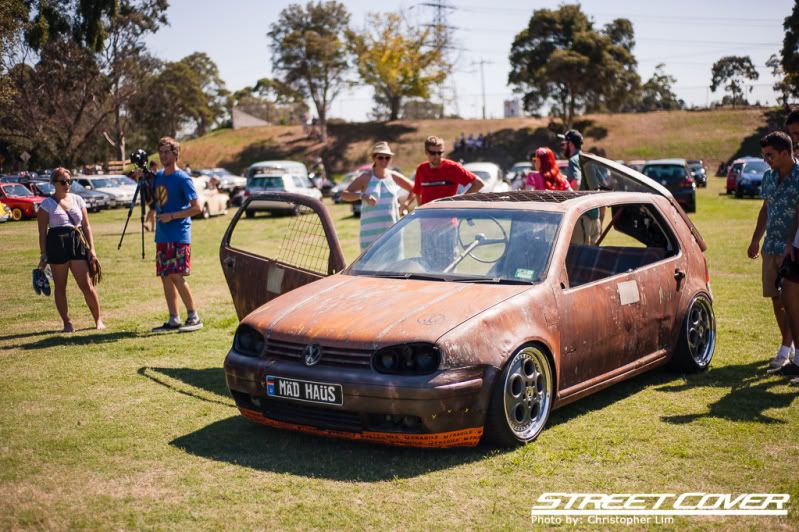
517,319
342,185
227,182
637,165
120,195
734,171
698,172
515,175
274,181
491,175
211,200
22,202
5,213
750,178
674,175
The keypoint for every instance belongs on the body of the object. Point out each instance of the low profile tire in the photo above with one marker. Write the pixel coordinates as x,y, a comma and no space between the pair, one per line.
206,211
17,214
697,340
249,214
521,399
738,194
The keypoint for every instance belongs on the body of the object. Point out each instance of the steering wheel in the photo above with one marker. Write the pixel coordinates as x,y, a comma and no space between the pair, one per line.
481,240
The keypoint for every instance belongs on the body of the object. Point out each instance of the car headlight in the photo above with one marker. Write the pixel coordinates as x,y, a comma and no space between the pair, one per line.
248,341
744,181
408,359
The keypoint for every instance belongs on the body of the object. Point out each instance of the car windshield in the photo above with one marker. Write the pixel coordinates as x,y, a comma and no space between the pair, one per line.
521,167
102,183
464,245
124,181
76,187
757,167
273,182
48,188
665,172
17,190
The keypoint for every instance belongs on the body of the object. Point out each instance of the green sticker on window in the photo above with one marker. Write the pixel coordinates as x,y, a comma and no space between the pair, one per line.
522,273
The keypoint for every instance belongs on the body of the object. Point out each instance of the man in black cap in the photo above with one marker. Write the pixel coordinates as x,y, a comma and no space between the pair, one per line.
589,226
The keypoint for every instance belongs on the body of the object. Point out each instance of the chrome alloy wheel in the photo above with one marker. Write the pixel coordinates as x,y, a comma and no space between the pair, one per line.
528,393
700,331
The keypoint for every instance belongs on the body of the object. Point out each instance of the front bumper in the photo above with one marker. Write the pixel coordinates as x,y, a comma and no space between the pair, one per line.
448,407
748,189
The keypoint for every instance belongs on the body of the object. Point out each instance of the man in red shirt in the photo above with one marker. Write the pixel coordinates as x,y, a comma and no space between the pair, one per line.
435,179
439,177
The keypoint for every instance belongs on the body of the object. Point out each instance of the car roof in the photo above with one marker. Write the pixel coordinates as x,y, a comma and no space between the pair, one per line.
679,162
744,159
277,164
481,166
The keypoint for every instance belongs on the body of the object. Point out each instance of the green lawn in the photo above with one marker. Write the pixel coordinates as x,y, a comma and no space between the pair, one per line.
124,429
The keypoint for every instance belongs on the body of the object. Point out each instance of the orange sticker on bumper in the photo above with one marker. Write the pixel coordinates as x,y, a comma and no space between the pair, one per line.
456,438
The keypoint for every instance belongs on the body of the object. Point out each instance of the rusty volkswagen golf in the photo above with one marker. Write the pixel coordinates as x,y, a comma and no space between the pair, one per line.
473,317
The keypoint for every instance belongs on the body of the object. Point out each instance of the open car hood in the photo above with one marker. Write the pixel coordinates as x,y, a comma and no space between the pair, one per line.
368,312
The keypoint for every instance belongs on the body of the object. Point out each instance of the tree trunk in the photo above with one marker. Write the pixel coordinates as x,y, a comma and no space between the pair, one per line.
394,104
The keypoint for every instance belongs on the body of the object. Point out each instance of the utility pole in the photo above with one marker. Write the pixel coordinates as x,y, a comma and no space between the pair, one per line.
442,42
482,62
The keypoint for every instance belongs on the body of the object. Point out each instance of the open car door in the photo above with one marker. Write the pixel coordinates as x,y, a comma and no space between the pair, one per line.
264,257
603,174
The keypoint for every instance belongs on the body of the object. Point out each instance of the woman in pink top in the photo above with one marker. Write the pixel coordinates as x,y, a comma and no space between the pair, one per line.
61,247
547,175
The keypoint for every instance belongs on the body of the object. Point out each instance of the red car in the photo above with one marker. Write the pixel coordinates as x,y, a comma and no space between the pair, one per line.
733,173
22,202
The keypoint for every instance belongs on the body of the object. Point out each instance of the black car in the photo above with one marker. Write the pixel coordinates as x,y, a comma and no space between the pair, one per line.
676,177
698,172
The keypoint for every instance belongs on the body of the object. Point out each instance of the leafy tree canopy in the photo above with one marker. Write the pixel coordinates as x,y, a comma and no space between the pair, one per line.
732,72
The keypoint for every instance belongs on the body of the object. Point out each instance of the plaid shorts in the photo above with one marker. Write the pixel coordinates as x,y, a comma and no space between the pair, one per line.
172,258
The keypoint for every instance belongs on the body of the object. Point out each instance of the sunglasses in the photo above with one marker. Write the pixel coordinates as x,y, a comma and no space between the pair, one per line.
383,157
64,182
431,152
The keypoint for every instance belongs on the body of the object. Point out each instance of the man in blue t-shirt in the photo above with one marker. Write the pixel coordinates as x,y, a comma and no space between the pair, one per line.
175,202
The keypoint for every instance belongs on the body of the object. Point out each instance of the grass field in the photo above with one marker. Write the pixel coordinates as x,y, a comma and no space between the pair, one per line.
124,429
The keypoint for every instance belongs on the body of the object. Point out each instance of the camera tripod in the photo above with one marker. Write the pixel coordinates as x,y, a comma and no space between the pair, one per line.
146,177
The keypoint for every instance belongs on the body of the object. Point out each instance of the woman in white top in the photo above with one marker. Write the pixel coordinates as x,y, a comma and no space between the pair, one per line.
62,248
378,189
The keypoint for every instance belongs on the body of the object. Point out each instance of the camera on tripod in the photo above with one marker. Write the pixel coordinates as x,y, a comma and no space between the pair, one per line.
144,190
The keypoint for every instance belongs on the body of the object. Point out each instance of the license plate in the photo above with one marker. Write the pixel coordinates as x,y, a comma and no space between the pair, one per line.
311,392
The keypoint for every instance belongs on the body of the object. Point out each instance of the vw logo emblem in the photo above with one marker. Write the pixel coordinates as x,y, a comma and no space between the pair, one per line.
312,354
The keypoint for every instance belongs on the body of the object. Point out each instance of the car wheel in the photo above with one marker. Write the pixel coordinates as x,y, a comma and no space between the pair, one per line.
521,399
697,340
249,214
206,211
17,214
738,193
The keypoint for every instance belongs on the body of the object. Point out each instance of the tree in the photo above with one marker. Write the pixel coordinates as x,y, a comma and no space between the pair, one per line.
790,51
214,106
656,93
309,52
270,100
780,85
734,71
80,21
393,58
58,104
562,60
125,61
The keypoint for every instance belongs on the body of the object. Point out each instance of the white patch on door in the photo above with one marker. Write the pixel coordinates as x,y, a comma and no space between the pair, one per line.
628,292
274,279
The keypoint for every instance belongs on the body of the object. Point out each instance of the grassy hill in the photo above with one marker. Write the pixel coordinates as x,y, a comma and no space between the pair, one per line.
709,135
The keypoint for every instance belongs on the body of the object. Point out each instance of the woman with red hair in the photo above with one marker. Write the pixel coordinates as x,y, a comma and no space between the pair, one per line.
546,176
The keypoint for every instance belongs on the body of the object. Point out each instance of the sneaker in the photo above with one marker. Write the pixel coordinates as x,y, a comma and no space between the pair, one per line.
780,359
788,370
44,284
167,326
193,323
36,286
795,382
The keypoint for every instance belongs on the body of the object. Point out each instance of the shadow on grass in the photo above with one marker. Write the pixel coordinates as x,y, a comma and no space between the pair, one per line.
750,394
209,379
59,339
750,146
24,335
608,396
238,441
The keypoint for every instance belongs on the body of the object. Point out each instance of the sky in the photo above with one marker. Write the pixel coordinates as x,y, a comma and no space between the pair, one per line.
688,36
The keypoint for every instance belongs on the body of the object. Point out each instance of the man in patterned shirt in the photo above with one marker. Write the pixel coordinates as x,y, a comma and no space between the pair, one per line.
780,191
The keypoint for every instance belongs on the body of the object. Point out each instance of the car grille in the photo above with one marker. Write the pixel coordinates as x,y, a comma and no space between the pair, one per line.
331,356
322,418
